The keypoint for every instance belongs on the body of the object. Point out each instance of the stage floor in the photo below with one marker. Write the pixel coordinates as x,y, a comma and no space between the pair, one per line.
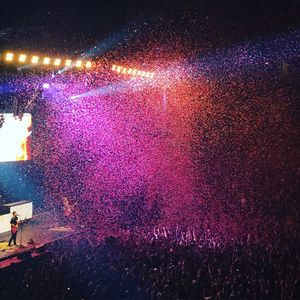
41,229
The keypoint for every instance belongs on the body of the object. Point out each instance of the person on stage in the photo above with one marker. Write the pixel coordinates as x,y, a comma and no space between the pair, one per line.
14,229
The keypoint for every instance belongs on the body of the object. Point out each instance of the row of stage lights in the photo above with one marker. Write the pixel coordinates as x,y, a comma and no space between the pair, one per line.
132,72
10,57
46,61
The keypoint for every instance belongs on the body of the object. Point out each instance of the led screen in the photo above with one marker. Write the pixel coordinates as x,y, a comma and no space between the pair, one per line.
14,137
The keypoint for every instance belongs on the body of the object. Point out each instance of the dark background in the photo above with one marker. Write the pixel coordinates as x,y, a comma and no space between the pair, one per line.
75,26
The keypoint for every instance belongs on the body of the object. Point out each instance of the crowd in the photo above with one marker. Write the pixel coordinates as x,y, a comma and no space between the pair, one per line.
158,263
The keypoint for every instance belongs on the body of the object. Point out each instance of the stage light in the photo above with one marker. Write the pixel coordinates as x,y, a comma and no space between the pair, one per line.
57,61
22,58
68,62
35,59
46,85
46,61
78,63
9,56
132,72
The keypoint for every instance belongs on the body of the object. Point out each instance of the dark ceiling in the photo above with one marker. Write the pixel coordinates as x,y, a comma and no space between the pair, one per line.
75,26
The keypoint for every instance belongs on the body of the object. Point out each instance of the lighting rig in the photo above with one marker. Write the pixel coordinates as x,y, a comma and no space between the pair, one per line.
31,60
22,58
132,71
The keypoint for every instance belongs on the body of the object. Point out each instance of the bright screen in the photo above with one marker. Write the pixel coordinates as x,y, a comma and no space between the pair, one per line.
14,137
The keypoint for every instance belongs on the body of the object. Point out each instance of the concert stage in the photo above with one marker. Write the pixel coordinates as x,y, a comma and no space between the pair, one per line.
41,230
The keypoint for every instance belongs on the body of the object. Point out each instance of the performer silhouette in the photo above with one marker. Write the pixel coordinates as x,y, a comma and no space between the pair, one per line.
14,229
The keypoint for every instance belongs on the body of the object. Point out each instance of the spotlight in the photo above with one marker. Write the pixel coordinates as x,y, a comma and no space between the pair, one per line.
138,73
57,61
134,72
129,71
68,62
78,63
22,58
119,69
88,64
35,59
9,56
46,61
46,85
113,68
151,75
124,70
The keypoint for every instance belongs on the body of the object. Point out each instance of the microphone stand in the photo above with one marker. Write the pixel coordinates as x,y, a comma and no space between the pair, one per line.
21,235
